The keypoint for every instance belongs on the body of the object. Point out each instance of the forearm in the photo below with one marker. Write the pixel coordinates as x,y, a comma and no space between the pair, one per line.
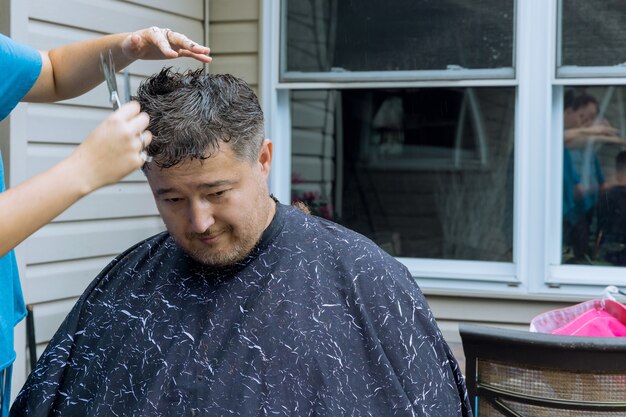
569,135
34,203
71,70
110,152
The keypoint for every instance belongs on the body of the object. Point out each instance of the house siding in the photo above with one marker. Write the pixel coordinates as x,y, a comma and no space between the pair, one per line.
450,310
60,260
234,39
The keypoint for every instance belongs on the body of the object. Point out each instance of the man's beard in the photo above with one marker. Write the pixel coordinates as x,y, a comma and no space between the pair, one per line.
238,250
242,239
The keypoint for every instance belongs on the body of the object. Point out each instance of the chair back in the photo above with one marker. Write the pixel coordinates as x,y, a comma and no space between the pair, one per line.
515,373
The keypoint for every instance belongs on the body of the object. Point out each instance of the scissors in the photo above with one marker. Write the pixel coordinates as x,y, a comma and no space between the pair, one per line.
108,69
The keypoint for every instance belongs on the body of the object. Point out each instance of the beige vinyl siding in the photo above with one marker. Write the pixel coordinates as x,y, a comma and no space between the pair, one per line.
234,39
60,260
499,312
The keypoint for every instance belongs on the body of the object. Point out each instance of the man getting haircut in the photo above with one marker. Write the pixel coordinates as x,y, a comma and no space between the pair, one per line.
244,306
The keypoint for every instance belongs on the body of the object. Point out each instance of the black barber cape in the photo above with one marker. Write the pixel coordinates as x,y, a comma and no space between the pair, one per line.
317,321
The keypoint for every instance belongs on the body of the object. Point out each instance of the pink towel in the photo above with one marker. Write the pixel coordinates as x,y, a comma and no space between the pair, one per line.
602,318
593,323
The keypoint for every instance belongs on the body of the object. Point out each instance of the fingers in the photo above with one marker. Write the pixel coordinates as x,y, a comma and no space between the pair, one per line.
196,56
145,138
162,43
131,112
136,123
115,148
605,130
128,110
186,46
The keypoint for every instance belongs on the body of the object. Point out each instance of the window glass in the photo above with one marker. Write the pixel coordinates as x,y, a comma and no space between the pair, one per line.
593,32
424,172
395,35
594,175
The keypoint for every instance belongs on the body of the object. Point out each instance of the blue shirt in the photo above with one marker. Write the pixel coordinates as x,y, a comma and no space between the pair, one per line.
20,66
570,181
587,166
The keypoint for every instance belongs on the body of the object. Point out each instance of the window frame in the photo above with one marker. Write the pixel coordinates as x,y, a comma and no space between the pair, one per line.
536,271
454,73
561,274
575,72
573,277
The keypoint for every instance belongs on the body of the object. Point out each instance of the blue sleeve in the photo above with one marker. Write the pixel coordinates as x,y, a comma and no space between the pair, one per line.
20,66
569,173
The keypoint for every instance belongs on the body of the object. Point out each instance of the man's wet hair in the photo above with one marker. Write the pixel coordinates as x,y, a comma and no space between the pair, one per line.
192,114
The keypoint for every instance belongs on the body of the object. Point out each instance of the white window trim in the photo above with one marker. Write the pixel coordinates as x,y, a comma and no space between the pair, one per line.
573,71
532,162
535,270
427,75
570,71
395,84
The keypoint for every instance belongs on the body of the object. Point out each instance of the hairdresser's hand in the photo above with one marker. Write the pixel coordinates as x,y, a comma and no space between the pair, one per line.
162,43
113,149
603,128
599,130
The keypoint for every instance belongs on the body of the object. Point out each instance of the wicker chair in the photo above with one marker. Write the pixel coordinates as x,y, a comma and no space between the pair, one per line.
515,373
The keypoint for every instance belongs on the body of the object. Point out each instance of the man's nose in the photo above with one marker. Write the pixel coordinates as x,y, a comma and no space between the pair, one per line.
201,216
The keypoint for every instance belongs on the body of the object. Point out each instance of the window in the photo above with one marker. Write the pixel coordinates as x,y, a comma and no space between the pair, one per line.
424,172
592,38
594,126
439,130
594,176
334,39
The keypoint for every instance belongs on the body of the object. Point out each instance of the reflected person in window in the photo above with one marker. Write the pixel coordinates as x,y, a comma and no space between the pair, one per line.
244,306
583,179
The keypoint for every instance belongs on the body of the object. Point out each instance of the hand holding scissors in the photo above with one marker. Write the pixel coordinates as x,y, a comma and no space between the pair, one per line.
108,69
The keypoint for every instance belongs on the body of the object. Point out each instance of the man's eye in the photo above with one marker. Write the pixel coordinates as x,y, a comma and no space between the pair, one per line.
173,200
218,194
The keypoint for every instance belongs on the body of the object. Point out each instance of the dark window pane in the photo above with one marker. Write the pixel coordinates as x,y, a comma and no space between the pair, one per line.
422,172
392,35
594,176
593,32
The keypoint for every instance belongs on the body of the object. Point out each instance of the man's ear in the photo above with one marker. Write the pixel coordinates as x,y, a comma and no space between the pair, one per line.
265,156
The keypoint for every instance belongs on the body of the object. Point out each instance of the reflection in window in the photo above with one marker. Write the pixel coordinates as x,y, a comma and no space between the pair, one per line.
395,35
423,172
594,176
593,32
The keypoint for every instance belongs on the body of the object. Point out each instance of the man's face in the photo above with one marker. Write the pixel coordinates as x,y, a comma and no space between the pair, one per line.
215,209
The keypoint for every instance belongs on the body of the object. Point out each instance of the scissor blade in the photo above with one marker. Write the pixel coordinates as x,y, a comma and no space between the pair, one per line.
108,70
